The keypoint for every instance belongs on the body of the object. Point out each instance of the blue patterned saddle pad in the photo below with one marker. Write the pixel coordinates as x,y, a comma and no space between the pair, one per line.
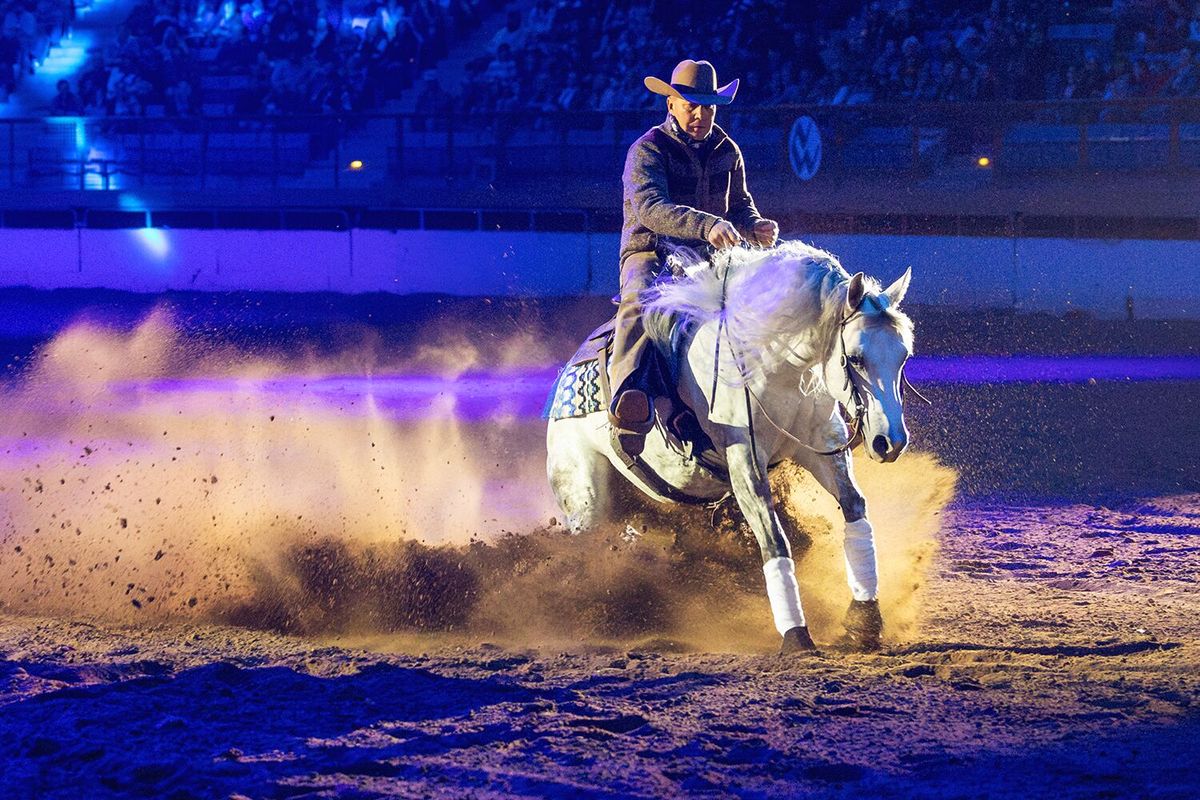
577,392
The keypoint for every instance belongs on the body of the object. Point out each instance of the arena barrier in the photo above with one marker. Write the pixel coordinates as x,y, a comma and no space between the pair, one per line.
1145,278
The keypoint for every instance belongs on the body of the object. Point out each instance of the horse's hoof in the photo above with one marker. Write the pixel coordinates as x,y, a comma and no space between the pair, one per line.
864,627
796,641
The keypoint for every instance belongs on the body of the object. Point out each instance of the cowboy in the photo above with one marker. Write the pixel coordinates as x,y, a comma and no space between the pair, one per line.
684,185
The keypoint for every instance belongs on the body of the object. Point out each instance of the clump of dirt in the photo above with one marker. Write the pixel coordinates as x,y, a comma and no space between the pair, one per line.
332,585
538,587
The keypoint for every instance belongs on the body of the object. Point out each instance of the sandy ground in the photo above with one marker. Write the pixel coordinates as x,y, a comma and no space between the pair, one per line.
1039,561
1057,657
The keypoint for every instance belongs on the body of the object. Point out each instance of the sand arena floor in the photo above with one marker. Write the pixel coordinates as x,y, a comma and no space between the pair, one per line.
229,573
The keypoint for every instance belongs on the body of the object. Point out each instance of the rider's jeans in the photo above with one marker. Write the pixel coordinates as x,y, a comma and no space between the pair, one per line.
630,339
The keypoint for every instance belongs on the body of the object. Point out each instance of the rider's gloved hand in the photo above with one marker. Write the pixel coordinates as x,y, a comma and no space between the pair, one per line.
723,234
766,232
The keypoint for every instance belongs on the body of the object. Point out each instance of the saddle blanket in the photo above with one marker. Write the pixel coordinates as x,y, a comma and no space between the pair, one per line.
577,392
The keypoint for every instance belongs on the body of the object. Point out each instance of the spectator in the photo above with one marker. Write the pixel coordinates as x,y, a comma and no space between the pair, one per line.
254,17
1091,77
511,34
27,35
289,34
1184,80
179,100
570,98
432,101
207,19
541,18
229,21
65,103
354,54
985,86
1070,89
10,57
1145,82
502,69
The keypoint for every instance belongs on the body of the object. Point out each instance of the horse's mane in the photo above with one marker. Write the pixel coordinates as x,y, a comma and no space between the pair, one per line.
781,304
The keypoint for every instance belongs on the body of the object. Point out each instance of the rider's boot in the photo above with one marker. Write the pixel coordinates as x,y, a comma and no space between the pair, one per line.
632,417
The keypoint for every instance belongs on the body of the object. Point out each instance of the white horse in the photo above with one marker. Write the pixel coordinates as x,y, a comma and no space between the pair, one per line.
764,346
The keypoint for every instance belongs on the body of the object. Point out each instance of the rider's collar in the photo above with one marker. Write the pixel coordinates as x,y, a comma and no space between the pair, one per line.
686,137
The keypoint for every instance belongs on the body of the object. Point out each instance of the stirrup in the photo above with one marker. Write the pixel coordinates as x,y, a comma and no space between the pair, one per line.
628,444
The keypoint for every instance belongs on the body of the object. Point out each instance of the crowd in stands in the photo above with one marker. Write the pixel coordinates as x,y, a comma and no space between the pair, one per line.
332,56
180,57
566,57
1156,46
30,28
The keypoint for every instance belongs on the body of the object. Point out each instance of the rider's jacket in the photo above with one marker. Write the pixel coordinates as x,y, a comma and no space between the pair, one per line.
674,193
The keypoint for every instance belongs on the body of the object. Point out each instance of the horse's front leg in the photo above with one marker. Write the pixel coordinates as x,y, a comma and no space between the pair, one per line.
753,494
863,622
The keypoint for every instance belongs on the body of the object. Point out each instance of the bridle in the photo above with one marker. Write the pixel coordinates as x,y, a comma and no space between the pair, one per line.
860,406
851,386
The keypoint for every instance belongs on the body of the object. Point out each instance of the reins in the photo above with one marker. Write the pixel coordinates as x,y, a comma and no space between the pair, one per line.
737,362
904,383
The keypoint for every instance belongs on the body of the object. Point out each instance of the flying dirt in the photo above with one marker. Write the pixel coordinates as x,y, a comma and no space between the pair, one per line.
356,549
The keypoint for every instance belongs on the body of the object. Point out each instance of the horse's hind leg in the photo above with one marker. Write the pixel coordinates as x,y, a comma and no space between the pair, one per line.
579,477
863,622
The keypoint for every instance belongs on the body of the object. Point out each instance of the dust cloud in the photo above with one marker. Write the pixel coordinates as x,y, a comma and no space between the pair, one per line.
149,476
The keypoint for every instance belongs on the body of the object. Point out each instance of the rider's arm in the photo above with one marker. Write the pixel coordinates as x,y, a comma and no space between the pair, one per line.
647,190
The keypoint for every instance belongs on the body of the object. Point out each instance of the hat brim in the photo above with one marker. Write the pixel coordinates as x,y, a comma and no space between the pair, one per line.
723,97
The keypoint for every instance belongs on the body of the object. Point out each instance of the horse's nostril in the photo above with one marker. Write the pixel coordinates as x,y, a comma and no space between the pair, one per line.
880,445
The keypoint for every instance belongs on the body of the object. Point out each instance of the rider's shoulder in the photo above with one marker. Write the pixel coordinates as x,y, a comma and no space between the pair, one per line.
723,139
655,137
653,143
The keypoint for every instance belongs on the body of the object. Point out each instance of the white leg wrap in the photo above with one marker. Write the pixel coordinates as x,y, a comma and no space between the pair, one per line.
784,594
860,560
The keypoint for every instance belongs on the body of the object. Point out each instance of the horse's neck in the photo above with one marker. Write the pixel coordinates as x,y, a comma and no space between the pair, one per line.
719,368
806,348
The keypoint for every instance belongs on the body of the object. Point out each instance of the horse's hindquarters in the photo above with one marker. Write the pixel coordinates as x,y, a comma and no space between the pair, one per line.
580,462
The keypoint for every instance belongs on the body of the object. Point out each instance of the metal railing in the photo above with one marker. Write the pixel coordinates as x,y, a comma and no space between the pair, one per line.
593,221
365,151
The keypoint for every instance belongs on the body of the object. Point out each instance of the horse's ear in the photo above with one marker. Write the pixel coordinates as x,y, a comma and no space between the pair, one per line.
855,293
895,293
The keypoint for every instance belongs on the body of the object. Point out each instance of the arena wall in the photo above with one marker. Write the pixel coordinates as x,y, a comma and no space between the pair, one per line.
1056,275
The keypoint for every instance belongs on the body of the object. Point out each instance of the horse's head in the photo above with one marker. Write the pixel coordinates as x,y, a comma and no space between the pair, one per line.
866,368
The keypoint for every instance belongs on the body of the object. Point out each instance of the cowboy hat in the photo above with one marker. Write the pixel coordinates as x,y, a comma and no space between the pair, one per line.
696,82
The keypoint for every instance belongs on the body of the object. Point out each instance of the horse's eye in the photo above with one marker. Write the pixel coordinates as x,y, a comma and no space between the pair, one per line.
855,360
